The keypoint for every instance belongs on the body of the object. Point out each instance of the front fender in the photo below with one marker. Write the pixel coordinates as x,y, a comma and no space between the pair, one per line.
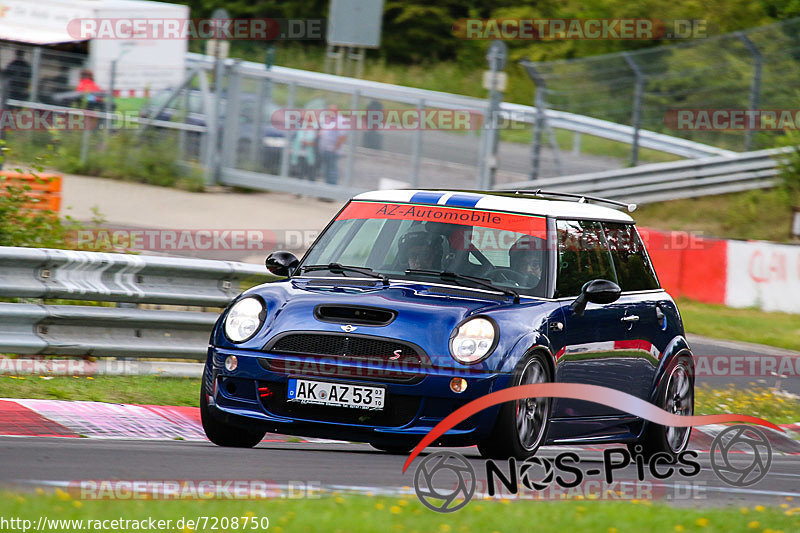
522,347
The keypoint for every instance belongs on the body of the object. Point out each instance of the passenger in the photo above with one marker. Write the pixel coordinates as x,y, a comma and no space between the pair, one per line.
526,258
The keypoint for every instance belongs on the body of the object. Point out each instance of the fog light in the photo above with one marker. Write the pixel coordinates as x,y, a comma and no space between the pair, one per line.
458,385
231,363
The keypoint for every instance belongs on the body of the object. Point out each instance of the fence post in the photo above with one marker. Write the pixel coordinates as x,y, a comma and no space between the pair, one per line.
636,119
4,85
416,148
351,141
36,71
285,152
230,129
256,143
538,123
755,84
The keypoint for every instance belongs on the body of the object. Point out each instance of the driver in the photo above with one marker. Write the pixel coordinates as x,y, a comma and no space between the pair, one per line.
526,257
419,250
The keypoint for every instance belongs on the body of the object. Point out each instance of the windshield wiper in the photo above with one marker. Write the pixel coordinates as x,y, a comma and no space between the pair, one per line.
455,277
336,268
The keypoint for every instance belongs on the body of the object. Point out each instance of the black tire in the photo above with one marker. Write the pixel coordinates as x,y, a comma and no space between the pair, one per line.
223,434
393,449
675,395
505,439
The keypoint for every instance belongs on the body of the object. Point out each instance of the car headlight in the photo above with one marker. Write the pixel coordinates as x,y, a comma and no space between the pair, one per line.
473,340
244,319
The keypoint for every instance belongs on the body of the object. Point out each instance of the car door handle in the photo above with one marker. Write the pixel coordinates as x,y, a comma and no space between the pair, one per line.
630,318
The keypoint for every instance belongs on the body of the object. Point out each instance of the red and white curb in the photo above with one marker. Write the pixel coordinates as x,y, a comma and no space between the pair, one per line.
99,420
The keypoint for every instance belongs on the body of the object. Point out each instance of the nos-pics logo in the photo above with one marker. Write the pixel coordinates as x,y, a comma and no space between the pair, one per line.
740,456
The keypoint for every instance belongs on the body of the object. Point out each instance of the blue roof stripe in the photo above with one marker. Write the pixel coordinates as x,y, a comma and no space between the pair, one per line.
426,197
463,200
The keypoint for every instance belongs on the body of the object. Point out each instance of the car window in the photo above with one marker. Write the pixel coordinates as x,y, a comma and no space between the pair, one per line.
582,256
633,267
396,239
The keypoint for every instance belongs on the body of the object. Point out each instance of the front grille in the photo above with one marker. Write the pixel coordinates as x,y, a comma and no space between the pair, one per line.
347,345
398,411
342,368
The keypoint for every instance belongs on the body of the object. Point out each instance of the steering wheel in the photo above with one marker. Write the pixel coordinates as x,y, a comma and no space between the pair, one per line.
505,275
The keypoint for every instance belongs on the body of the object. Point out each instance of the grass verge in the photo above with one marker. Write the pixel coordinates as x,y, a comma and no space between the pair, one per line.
757,215
748,325
151,390
356,514
776,406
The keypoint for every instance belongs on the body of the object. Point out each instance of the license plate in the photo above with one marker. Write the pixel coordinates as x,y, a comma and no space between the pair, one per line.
335,394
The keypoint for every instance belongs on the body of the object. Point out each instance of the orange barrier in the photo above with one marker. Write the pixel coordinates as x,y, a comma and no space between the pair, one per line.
44,189
689,266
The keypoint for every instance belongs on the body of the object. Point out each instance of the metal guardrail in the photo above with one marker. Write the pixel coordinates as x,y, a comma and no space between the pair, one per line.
520,113
33,329
37,329
674,180
112,277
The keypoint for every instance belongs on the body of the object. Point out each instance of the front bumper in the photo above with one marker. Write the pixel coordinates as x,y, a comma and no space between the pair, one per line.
416,398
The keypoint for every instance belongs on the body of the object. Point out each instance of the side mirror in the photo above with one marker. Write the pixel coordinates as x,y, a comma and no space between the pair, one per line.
597,291
281,263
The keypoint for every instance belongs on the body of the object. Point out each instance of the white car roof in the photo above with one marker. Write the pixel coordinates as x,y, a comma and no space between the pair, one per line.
498,202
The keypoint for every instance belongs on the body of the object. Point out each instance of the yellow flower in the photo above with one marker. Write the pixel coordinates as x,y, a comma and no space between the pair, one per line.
77,504
752,524
744,510
702,522
784,506
612,530
679,528
395,509
402,503
89,377
249,514
339,499
187,529
39,491
759,508
64,496
379,506
445,528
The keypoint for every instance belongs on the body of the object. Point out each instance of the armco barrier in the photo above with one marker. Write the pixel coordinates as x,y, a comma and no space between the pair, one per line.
36,329
111,277
727,272
43,189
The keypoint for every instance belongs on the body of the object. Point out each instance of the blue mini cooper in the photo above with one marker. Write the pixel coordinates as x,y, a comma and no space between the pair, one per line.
412,303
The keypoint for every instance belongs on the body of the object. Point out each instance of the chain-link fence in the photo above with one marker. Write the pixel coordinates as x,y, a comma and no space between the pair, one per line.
754,69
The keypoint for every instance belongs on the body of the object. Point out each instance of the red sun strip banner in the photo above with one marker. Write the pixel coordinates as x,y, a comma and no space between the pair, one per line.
528,224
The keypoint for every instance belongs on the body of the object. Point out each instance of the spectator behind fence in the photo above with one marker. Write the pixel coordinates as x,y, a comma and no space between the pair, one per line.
331,139
50,87
87,86
18,77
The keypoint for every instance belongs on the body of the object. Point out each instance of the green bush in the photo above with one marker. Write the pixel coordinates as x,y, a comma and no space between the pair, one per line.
123,155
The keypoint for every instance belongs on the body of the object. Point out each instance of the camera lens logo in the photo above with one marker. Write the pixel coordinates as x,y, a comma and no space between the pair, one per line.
445,482
741,469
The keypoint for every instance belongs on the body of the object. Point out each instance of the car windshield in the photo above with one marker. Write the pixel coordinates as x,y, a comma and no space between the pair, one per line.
407,241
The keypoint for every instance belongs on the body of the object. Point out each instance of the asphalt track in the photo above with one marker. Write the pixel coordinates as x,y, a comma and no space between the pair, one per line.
28,462
35,462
